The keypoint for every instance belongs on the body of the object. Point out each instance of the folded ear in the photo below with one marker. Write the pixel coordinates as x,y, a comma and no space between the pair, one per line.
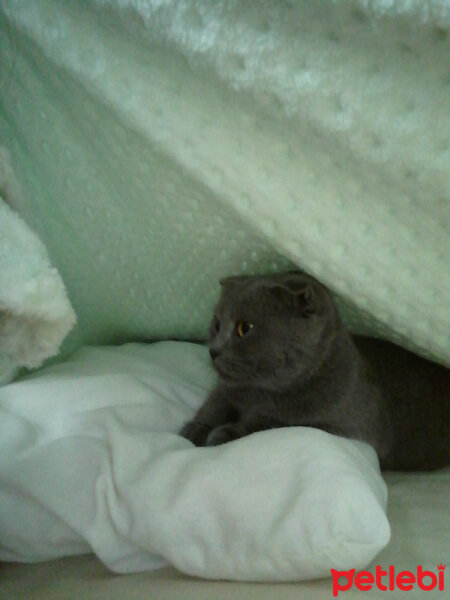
234,280
297,293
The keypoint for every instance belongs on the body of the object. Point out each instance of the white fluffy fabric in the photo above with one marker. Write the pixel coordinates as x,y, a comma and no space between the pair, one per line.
35,313
180,141
90,462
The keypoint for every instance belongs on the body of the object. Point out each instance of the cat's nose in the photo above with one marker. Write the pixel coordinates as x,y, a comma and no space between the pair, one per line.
213,353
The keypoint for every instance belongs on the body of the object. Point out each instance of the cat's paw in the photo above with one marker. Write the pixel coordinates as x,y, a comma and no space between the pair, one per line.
222,435
195,432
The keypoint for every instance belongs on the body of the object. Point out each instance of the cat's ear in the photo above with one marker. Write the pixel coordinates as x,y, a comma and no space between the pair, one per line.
234,280
298,294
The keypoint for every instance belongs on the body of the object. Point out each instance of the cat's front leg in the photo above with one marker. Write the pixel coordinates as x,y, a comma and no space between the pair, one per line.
195,432
224,433
215,412
250,423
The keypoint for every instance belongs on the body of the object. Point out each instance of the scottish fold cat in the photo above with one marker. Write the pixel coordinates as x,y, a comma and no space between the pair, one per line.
284,357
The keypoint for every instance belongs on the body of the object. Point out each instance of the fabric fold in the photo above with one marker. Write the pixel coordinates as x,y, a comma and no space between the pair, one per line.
91,461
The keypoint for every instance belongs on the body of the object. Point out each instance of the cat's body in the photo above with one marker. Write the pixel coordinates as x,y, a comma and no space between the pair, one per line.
284,358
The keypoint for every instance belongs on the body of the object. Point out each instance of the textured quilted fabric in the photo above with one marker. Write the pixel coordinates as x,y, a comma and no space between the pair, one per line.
162,145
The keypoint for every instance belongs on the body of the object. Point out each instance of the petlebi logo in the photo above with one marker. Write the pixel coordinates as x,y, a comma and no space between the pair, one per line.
388,581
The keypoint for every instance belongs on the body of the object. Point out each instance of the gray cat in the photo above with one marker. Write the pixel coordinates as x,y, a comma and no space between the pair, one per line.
284,358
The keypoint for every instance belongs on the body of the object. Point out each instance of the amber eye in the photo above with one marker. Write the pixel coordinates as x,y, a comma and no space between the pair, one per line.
243,327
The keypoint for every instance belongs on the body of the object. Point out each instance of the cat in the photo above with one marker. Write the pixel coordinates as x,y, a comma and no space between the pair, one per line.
283,358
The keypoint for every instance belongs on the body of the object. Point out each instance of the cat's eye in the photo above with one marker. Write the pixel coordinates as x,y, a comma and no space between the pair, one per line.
216,325
243,328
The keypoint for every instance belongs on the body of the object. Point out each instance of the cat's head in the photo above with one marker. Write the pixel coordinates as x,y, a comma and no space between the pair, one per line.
267,330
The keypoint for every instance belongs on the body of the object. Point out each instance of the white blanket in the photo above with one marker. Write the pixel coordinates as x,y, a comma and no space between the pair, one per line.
90,461
177,142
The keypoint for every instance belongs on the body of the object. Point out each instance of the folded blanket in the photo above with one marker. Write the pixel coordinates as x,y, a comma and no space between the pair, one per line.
35,313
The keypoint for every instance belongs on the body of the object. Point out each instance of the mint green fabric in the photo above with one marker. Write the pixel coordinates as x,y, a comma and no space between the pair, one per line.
161,146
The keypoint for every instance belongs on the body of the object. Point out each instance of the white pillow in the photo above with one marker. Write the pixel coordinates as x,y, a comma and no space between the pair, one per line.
90,460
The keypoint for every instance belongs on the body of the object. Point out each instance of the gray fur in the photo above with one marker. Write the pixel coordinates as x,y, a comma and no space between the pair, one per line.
298,365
